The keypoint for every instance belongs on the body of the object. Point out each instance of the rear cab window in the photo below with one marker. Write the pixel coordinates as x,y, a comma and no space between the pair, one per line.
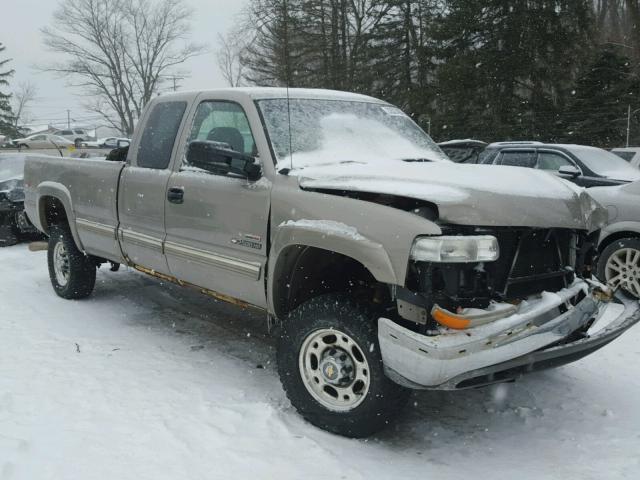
159,135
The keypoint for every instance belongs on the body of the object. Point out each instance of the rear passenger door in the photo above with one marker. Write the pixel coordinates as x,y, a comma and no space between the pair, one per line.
143,186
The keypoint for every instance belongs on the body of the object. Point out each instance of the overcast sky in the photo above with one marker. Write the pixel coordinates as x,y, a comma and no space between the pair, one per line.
20,33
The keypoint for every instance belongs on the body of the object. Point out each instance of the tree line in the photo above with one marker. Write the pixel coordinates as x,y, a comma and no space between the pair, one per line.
550,70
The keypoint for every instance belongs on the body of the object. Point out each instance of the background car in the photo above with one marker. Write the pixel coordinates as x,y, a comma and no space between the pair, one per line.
107,142
14,223
461,151
630,154
583,165
619,242
76,135
42,140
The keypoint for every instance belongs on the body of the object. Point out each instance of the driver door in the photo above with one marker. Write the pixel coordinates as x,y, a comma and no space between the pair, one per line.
216,223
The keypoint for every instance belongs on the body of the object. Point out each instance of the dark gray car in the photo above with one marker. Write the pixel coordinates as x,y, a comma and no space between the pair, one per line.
13,221
583,165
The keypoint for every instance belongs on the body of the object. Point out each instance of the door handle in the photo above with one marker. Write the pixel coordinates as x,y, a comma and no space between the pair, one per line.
176,195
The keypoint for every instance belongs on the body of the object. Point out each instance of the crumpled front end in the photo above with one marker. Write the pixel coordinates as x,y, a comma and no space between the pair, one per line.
546,330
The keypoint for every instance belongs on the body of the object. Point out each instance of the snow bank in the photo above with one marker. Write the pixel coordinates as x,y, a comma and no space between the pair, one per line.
146,381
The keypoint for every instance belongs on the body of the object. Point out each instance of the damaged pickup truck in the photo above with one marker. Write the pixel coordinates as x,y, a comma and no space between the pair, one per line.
381,266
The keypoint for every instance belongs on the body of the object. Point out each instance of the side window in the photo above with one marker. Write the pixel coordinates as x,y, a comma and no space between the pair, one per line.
159,135
67,132
552,161
223,122
518,159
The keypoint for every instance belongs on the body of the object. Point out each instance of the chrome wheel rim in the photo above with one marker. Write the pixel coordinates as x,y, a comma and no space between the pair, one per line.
334,370
623,270
61,264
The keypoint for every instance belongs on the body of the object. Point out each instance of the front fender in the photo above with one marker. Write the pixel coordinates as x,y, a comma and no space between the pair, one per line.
61,193
617,227
378,236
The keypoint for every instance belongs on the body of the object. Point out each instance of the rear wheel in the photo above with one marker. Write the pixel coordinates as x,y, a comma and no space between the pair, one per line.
72,273
619,265
78,142
331,369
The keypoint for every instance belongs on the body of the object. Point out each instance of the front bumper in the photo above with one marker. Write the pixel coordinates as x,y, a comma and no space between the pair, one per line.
539,336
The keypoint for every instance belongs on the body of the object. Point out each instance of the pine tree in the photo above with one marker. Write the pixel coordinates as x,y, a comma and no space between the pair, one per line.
6,115
597,115
507,66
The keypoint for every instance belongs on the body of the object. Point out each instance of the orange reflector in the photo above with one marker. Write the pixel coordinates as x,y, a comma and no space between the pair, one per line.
449,320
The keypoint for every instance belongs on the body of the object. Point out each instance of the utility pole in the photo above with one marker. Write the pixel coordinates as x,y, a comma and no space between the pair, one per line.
68,119
628,125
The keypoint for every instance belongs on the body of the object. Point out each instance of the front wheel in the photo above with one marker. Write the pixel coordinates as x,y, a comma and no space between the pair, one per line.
619,265
72,273
331,369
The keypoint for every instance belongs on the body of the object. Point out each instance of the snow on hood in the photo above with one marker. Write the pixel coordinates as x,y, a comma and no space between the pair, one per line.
482,195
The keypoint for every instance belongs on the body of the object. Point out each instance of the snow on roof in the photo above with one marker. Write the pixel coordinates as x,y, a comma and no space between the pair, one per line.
260,93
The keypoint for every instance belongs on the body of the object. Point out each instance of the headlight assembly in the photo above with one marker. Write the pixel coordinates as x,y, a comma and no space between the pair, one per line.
456,249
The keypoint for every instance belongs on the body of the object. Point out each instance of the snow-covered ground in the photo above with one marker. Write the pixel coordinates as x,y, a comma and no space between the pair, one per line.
149,381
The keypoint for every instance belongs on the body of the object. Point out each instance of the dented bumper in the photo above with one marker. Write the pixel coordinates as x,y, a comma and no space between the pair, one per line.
541,335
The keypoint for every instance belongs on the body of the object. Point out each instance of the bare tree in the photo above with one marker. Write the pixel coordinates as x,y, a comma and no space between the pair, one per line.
22,98
120,51
229,55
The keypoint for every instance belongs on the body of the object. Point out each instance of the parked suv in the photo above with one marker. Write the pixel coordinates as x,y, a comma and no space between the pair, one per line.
583,165
76,135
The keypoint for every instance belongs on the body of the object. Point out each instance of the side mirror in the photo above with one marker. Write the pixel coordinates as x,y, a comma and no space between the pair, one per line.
569,171
219,158
123,143
118,154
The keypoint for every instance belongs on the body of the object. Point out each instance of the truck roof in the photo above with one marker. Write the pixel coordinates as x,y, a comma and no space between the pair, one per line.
260,93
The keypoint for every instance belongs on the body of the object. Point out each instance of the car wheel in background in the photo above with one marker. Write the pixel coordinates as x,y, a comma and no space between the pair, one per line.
619,265
72,273
331,369
78,142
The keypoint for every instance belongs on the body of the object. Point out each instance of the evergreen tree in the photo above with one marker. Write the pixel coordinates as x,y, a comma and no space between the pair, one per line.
506,67
6,115
598,113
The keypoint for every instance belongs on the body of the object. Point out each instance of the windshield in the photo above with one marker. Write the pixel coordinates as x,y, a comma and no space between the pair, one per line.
330,131
606,163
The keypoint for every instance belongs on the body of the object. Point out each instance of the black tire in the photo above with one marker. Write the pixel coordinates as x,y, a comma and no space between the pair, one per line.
384,399
9,234
78,142
632,273
81,276
23,145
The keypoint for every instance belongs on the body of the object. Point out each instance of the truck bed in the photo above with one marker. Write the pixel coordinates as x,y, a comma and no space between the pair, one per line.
88,189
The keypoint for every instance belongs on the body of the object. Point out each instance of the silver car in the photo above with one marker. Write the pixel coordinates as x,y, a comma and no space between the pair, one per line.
619,242
42,140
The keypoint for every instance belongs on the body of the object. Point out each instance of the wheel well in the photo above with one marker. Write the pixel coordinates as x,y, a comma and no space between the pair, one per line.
617,236
304,272
51,211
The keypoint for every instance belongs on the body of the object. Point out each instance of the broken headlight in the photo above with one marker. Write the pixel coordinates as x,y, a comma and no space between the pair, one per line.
456,249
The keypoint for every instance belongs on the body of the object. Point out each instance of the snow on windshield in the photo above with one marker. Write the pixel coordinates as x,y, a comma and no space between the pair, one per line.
329,131
606,163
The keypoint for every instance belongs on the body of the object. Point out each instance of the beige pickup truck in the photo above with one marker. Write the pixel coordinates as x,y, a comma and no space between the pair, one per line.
380,265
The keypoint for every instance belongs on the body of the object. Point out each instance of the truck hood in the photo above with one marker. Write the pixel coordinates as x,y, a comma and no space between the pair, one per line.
479,195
